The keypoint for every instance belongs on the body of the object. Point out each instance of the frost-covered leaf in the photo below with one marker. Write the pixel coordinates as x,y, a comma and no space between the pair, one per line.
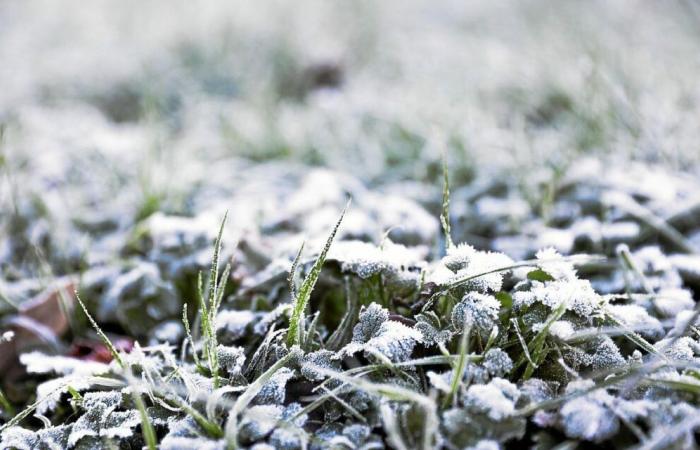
392,340
366,259
638,320
588,417
231,359
120,424
577,296
476,310
430,327
371,318
551,262
258,421
497,362
495,399
273,392
324,359
55,438
20,438
233,324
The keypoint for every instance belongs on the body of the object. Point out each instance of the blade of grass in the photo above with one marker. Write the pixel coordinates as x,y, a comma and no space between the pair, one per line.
101,334
294,334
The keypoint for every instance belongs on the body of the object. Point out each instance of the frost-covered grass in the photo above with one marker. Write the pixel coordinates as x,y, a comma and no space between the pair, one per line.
555,146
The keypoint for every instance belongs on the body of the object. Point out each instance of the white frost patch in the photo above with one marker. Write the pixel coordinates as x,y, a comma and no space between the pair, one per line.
37,362
496,399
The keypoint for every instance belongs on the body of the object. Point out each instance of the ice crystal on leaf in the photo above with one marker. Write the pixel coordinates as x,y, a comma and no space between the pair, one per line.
638,319
392,339
588,417
324,359
20,439
366,259
273,392
577,296
681,349
497,362
472,269
495,399
371,318
431,328
231,359
476,310
550,261
232,324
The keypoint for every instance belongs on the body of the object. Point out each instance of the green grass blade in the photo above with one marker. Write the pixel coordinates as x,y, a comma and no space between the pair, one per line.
445,216
100,333
294,333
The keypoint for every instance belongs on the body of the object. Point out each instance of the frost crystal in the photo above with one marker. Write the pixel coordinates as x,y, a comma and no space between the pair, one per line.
577,296
588,417
481,269
20,439
554,264
496,399
638,319
38,362
259,420
366,259
561,329
681,349
231,359
476,310
428,324
497,362
394,340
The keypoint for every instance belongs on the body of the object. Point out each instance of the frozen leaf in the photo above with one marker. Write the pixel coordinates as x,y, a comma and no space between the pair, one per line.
588,417
605,354
20,438
231,359
681,349
430,327
394,340
120,424
560,329
637,319
258,421
273,392
495,399
324,359
577,296
55,438
287,438
371,318
366,259
49,392
476,310
555,265
670,302
497,362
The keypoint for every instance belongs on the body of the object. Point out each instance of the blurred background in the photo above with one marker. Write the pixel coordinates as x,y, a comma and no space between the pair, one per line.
128,128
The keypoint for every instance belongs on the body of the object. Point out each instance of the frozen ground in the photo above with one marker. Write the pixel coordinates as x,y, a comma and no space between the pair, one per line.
128,130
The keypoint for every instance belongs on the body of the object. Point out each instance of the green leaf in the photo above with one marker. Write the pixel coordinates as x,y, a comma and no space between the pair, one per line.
539,275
